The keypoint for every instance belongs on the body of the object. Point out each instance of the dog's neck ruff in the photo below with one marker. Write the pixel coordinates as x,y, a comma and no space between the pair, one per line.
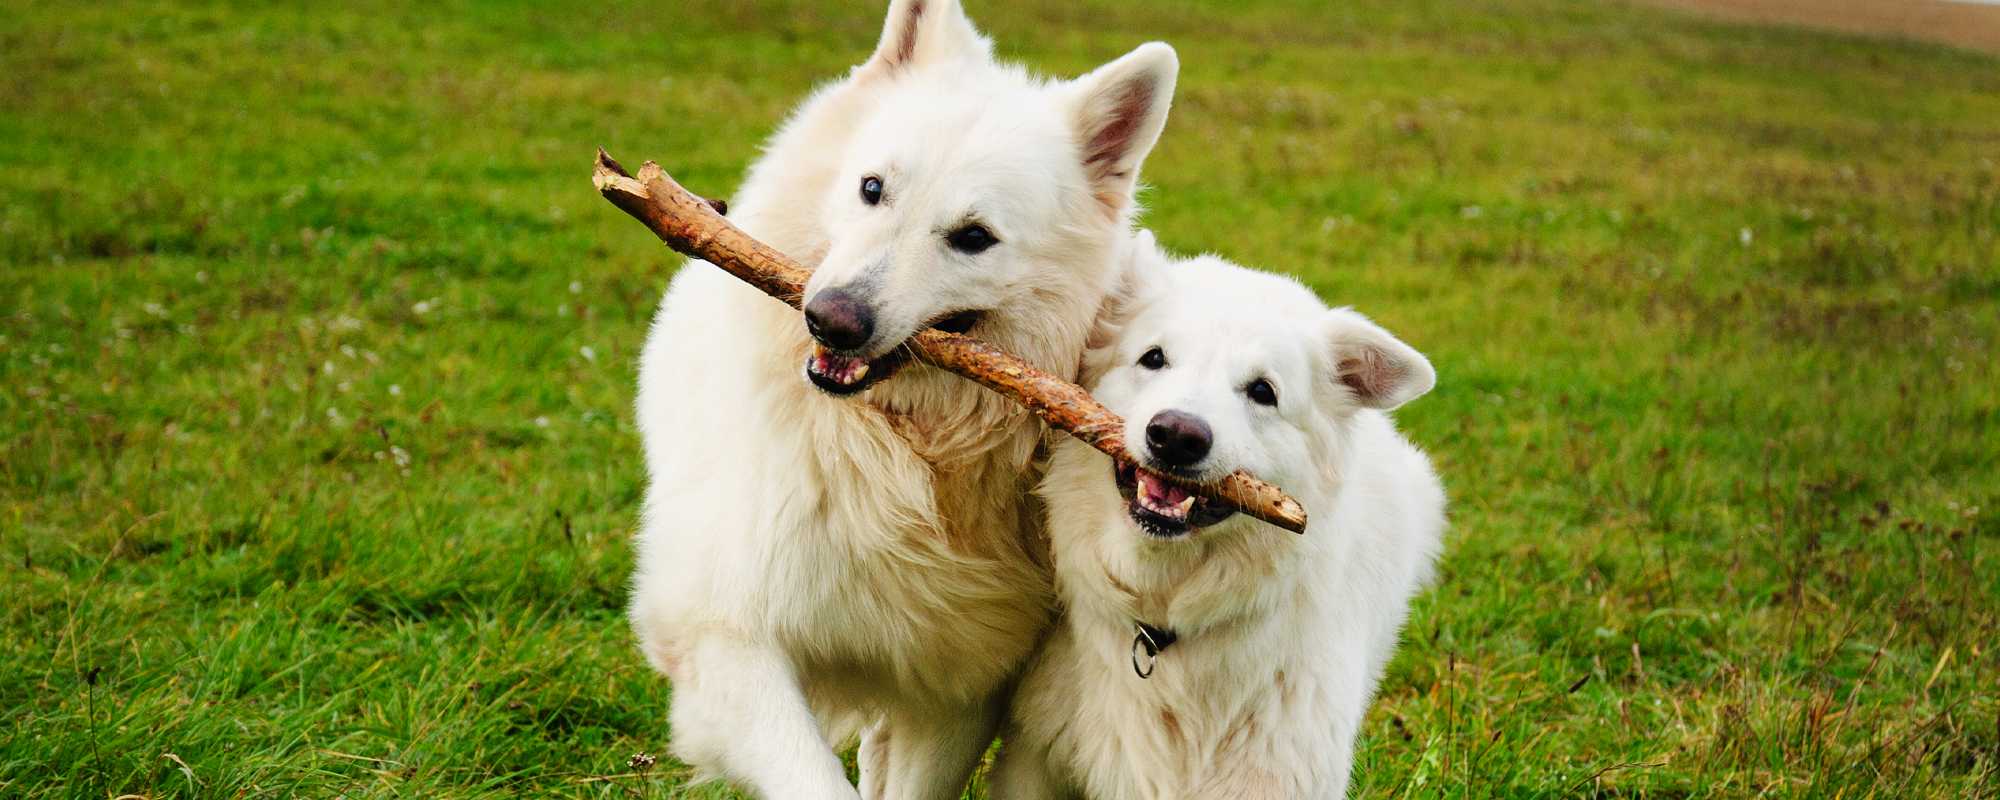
1151,641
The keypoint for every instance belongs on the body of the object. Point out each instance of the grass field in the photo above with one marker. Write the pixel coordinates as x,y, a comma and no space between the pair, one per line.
316,351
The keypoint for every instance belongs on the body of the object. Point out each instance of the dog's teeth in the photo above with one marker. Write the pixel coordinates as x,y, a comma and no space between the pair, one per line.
1187,506
858,372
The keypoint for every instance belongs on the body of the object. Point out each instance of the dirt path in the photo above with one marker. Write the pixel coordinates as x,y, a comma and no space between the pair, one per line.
1971,25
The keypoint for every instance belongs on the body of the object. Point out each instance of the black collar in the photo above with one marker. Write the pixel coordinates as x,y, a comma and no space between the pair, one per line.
1152,640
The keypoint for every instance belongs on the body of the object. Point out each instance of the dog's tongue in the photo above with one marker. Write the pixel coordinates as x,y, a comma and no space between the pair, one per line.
840,369
1163,498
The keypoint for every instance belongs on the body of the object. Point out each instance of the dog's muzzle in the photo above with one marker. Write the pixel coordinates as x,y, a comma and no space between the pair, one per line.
837,373
1162,509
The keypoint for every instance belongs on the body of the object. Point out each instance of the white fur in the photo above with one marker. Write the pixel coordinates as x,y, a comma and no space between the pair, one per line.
1282,637
811,567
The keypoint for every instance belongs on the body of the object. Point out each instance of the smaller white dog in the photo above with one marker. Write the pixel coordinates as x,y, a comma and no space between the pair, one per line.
1204,654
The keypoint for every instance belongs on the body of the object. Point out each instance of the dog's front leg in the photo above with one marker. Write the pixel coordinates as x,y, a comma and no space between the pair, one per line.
1021,771
738,711
926,753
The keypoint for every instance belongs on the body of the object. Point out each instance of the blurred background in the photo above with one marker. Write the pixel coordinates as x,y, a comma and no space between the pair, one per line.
316,359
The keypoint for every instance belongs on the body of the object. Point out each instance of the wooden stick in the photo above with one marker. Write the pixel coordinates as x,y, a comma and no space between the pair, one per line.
696,228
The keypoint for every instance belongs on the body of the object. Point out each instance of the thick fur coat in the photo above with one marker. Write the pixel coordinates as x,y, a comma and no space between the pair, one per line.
813,566
1281,638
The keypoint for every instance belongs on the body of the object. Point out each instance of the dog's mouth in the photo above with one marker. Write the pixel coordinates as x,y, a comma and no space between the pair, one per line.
957,321
1163,510
842,375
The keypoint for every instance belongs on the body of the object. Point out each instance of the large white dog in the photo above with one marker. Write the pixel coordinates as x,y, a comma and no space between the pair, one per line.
811,565
1204,655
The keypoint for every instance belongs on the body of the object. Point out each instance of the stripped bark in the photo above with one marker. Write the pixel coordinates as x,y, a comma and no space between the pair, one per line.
694,227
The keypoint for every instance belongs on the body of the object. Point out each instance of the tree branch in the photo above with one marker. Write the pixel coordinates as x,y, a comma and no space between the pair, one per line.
695,227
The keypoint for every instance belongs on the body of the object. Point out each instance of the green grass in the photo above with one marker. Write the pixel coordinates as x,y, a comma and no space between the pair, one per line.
317,470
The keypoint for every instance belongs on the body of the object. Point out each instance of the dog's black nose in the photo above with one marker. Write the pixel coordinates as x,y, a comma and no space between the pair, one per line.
1178,439
839,321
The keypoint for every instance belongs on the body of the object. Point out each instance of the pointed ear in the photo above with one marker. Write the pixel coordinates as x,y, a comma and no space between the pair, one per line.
1120,109
1378,368
921,32
1143,273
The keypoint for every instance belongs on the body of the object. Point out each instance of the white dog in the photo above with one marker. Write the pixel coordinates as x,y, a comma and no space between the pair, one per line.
1204,655
811,565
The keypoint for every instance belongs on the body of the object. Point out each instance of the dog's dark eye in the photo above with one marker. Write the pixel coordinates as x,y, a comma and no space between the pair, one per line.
971,239
1153,359
1262,392
871,190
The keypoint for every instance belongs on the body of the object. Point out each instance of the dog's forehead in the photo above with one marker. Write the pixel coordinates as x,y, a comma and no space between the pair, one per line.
1210,276
1224,333
1211,312
998,155
914,126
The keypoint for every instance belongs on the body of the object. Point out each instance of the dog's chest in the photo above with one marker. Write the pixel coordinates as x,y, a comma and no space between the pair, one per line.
1182,586
962,596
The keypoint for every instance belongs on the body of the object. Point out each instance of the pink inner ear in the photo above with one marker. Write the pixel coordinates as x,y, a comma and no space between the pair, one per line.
906,44
1352,371
1369,375
1109,145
